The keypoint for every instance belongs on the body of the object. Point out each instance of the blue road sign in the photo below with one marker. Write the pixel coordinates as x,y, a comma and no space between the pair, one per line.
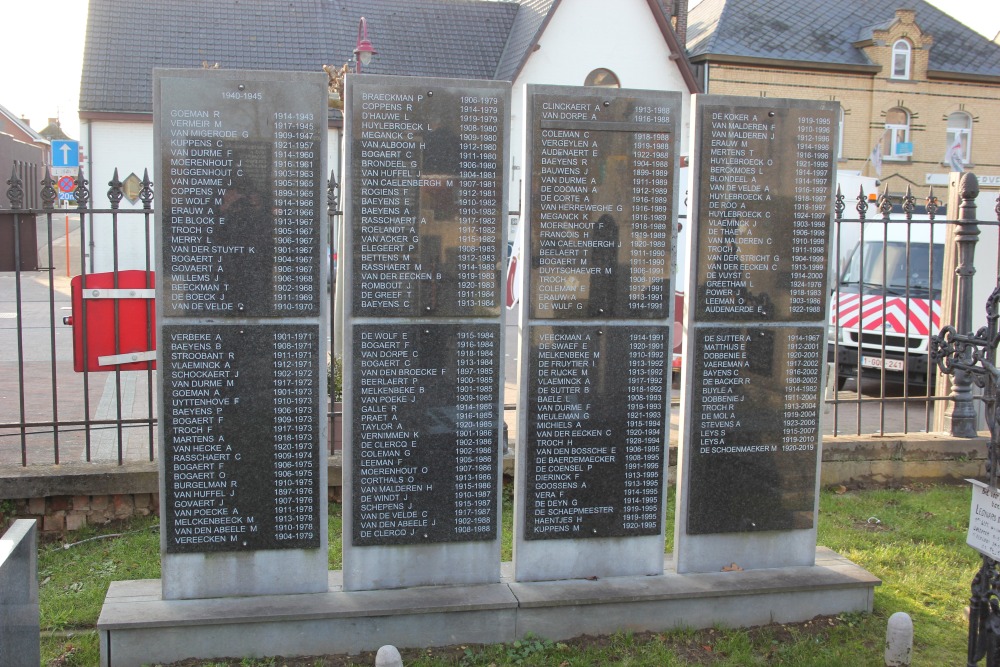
65,153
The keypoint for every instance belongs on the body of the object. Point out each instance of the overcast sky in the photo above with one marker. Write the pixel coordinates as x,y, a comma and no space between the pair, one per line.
41,48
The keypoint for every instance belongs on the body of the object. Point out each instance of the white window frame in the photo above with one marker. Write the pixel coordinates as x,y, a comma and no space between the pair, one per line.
840,136
963,133
904,49
895,134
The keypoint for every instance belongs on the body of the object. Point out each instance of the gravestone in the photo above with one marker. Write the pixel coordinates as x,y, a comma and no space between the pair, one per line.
754,363
426,163
240,311
600,205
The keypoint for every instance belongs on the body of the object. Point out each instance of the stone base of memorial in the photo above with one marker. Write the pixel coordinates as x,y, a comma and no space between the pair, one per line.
752,385
138,627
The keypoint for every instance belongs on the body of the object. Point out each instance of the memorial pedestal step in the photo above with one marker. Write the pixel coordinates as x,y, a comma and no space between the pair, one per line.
137,627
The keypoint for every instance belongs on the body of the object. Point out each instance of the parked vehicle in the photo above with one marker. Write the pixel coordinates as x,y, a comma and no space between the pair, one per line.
887,303
886,294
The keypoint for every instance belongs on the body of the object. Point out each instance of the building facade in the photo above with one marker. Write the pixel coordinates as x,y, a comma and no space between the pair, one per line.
25,153
919,91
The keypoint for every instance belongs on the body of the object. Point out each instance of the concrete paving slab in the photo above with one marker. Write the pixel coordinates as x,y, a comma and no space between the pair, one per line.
137,627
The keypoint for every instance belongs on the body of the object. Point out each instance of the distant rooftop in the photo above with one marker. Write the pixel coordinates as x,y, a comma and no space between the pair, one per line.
826,31
434,38
471,39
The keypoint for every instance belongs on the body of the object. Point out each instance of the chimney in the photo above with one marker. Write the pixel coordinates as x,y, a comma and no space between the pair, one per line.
25,121
681,21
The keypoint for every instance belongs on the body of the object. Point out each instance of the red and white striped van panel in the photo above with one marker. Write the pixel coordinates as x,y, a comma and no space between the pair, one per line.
896,313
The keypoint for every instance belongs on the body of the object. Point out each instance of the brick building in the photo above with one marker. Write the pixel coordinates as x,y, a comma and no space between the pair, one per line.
24,152
910,79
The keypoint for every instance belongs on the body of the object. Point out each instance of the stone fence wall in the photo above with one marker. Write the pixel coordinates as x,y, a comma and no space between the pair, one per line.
67,497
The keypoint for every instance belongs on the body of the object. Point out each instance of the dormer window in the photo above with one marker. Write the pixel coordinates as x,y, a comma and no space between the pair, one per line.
901,56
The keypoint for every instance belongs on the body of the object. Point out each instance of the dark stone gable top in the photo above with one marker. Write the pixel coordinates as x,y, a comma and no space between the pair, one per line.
827,32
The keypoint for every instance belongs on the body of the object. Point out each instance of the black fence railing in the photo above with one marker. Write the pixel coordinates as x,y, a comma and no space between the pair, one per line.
894,260
68,395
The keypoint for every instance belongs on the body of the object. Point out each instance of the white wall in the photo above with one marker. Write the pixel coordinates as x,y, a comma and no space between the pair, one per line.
583,35
127,146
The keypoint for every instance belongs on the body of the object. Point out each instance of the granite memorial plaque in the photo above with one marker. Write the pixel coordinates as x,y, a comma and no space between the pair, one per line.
242,462
425,214
425,426
596,410
755,428
428,160
242,354
601,204
601,175
241,173
754,363
765,175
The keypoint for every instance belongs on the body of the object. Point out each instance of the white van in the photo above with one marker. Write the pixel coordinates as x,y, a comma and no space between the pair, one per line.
888,289
887,302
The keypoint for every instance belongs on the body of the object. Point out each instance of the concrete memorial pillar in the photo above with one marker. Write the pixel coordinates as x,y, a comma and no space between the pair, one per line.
424,221
600,204
19,622
753,369
241,331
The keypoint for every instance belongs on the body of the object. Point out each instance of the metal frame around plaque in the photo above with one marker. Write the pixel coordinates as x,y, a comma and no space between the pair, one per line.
601,207
758,266
425,217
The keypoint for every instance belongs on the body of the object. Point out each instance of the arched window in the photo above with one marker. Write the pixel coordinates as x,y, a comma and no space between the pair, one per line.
959,139
602,78
901,56
896,139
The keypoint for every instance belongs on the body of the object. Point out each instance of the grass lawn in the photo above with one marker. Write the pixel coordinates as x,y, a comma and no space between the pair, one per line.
912,539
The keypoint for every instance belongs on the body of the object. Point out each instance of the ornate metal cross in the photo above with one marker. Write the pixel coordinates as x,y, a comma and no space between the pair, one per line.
975,355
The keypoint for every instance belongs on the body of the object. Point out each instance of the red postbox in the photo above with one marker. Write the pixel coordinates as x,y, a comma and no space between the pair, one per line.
135,348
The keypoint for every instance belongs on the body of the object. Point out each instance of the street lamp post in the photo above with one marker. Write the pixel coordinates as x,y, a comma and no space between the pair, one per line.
363,52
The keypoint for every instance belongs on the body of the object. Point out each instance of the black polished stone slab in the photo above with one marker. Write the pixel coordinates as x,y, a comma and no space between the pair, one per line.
597,431
766,173
241,436
425,464
240,193
602,177
426,159
754,441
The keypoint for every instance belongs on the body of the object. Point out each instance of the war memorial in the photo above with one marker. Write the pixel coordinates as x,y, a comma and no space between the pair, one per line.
242,322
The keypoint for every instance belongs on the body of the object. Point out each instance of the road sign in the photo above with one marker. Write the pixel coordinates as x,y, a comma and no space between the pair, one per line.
66,184
65,153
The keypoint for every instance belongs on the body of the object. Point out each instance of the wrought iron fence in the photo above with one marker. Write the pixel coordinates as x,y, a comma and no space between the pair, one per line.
975,355
887,302
55,407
